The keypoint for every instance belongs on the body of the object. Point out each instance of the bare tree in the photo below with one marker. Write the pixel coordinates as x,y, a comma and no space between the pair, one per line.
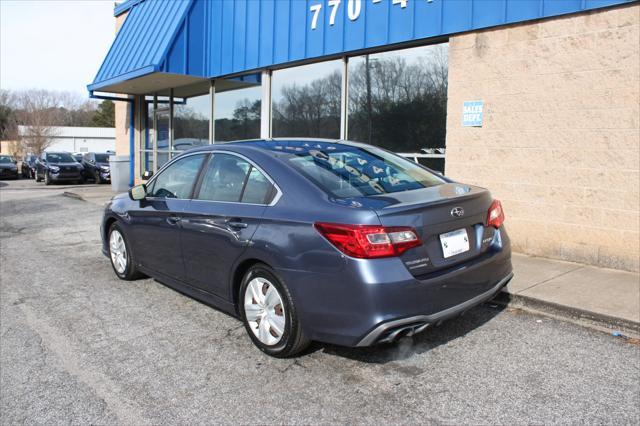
39,112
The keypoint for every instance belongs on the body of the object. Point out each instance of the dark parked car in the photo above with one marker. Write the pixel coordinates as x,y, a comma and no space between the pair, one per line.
28,166
8,167
96,167
306,240
58,167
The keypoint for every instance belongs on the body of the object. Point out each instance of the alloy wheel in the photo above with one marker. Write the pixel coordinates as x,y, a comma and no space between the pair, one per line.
264,311
118,251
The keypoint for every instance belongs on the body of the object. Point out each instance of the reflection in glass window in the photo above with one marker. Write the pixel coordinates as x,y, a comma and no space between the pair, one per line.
345,170
191,123
238,114
306,101
161,134
398,99
177,180
148,139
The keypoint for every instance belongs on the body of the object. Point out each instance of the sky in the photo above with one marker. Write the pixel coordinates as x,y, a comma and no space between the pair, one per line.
55,45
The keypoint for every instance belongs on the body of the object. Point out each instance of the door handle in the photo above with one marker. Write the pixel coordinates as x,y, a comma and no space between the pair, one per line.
236,224
173,220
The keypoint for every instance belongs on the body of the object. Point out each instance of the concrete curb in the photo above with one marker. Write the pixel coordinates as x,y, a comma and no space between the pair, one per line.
602,322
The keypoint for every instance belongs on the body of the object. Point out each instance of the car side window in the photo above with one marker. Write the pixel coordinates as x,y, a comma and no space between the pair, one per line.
258,188
232,179
224,178
177,180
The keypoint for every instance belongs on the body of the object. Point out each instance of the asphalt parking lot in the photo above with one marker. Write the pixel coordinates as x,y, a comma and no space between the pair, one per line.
80,346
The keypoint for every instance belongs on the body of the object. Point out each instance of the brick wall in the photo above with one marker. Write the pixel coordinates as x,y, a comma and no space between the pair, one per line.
560,140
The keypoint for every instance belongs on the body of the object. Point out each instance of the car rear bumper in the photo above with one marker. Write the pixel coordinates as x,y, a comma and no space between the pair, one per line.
367,301
391,330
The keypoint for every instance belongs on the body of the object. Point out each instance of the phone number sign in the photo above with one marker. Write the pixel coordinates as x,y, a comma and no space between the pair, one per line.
354,9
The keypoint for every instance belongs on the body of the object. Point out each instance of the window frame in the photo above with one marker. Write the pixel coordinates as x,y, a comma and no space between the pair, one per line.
212,154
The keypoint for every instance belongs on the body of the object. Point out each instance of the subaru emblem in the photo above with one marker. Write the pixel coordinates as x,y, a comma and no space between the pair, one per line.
457,212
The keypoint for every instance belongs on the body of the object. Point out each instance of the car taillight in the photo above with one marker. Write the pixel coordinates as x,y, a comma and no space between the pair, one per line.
369,241
495,216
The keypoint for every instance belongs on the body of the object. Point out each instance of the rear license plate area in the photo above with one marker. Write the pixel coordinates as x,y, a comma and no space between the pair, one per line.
454,242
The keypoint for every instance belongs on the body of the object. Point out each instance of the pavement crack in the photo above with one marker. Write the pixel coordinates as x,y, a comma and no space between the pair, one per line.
295,363
550,279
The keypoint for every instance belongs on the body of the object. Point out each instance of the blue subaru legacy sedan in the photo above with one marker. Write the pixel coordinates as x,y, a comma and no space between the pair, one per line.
303,240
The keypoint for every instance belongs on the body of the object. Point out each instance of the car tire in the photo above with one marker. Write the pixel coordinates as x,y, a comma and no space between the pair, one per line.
47,178
275,310
128,272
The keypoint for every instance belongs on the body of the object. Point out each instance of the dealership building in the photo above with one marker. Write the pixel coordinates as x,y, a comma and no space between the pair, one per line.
538,100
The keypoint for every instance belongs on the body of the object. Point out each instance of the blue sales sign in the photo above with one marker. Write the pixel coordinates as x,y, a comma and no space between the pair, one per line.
472,113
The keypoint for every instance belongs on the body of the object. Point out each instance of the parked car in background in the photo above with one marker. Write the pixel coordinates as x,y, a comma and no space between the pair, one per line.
58,167
8,167
28,166
96,167
183,144
303,240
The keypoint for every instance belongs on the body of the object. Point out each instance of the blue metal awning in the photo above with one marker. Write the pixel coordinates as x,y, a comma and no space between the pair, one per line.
141,45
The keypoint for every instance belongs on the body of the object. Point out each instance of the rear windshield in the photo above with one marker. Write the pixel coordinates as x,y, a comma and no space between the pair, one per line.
102,158
352,171
60,157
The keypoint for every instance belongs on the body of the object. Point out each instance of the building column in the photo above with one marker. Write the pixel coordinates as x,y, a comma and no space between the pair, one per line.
212,112
265,113
344,100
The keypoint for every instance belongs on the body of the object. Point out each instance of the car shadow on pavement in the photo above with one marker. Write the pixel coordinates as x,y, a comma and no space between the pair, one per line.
2,184
429,339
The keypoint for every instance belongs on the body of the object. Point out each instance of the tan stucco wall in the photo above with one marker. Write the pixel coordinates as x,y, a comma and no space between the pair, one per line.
122,112
560,140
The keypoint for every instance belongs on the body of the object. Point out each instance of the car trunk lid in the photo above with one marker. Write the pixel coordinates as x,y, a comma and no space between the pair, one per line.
436,213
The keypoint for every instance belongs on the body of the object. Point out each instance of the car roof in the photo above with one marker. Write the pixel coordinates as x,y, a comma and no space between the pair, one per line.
269,145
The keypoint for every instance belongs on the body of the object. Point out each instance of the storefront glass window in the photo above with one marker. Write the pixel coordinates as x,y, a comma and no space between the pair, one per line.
398,100
306,101
238,114
161,133
191,123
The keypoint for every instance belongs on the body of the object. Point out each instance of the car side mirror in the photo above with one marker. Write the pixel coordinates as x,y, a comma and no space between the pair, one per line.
147,175
138,192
